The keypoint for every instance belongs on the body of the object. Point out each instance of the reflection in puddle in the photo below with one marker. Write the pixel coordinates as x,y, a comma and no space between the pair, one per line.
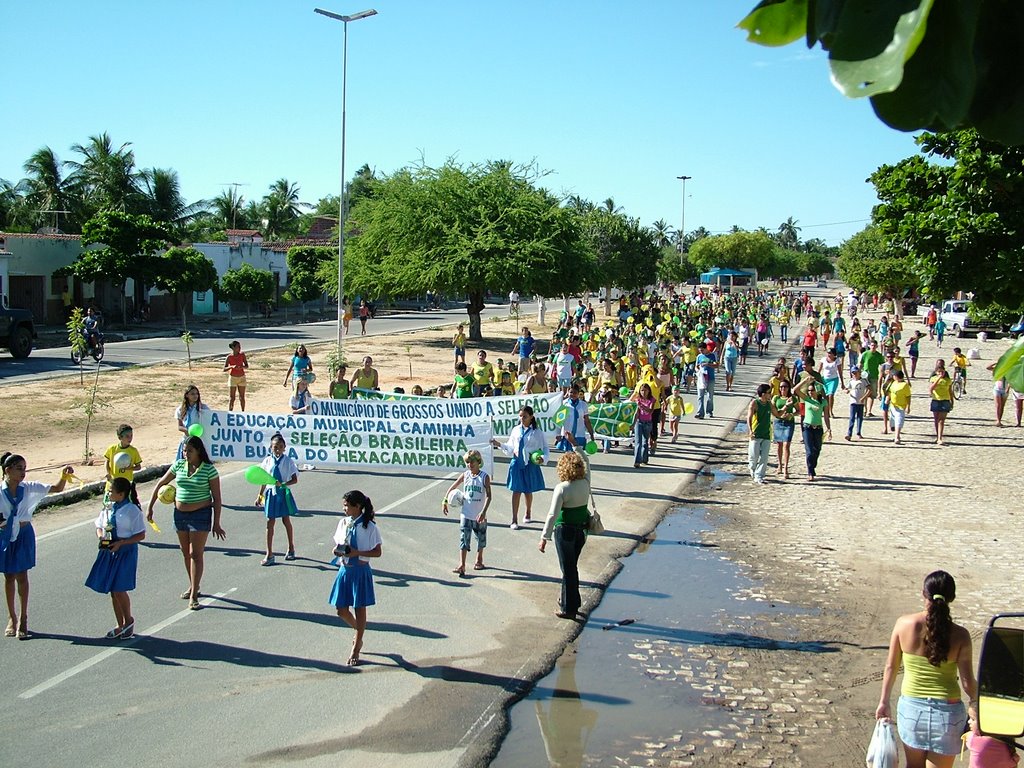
566,722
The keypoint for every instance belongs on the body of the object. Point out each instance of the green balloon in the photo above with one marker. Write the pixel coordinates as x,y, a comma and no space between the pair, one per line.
537,457
591,447
624,392
196,430
257,475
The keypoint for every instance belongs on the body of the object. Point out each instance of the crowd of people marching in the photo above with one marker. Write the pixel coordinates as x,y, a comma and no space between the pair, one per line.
652,350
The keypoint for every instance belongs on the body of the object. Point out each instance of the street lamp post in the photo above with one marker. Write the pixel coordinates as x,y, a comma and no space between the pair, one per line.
682,221
341,202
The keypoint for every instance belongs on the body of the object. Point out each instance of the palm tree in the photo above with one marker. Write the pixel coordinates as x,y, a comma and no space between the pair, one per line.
46,187
106,177
164,201
281,209
578,204
789,234
662,232
230,208
610,206
16,215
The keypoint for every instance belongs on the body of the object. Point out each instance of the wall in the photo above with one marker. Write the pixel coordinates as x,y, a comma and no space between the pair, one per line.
227,256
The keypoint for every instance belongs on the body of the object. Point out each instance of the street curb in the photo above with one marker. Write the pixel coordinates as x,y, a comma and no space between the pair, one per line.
88,490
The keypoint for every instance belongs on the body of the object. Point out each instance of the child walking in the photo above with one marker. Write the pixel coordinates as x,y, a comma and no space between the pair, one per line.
116,466
120,527
18,500
475,485
356,540
674,406
277,500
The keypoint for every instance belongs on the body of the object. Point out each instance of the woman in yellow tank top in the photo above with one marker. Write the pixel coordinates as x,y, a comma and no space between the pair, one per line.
933,651
366,377
537,382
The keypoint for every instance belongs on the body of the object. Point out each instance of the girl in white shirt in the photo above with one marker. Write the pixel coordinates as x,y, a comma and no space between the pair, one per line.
18,500
356,539
524,475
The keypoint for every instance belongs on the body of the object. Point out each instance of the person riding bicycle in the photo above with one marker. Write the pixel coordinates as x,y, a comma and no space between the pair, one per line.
513,300
960,363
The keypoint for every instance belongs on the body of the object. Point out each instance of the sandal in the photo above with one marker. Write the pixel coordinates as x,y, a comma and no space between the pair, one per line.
187,594
353,659
10,631
460,570
479,566
113,634
24,634
268,560
290,555
194,605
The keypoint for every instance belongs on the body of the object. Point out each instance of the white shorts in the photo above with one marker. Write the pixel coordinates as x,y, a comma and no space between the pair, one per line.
897,417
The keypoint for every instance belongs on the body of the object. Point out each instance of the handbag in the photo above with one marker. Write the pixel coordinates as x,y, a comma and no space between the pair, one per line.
594,524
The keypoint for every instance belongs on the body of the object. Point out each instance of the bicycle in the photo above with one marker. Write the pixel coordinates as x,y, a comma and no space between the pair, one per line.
958,384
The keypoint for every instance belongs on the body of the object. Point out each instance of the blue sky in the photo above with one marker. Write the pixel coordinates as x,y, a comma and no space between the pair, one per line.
613,99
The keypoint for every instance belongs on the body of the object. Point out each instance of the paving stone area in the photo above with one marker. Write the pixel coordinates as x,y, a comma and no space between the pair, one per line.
833,564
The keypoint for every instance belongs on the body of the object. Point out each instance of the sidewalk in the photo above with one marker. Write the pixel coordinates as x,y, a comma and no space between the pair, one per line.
838,560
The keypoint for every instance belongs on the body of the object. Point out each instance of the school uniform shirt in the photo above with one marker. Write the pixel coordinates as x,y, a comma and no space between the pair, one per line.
286,466
128,520
575,422
535,441
32,494
363,539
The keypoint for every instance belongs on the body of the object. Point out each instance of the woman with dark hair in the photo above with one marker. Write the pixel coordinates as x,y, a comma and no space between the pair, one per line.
933,650
356,539
197,508
524,475
567,523
18,500
188,413
301,368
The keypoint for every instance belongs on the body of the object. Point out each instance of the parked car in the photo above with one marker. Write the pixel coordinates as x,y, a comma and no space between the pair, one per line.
823,284
954,313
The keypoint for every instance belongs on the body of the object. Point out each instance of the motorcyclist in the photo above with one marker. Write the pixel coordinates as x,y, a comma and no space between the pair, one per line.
92,328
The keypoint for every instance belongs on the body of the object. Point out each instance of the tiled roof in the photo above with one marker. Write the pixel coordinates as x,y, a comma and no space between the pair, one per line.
32,236
242,232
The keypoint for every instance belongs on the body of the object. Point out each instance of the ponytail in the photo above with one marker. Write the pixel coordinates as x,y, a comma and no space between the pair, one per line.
939,591
362,501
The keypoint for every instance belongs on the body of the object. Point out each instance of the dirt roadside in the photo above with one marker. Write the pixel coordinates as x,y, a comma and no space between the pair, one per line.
46,421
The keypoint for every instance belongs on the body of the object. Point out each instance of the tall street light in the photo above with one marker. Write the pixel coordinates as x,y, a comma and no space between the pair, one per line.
682,222
341,202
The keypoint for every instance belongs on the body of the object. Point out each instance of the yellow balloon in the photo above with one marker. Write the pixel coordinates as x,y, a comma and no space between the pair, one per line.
688,408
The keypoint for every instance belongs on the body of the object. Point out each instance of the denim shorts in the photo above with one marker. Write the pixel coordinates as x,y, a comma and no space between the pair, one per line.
469,527
193,522
934,725
784,431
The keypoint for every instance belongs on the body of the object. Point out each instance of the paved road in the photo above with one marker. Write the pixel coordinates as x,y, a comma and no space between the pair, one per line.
57,361
257,676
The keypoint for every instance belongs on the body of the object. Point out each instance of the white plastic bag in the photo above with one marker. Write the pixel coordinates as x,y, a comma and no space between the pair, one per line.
883,751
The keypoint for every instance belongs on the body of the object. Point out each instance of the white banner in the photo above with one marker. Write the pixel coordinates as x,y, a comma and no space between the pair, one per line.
502,410
355,433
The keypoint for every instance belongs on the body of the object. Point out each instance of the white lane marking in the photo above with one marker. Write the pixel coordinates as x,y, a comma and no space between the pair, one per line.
414,494
103,655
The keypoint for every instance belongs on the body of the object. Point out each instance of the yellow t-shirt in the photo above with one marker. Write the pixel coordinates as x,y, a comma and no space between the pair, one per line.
899,395
674,403
128,473
943,388
483,374
960,361
690,354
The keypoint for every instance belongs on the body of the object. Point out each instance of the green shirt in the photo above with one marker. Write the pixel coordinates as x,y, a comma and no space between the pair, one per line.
812,412
463,386
763,420
870,363
195,487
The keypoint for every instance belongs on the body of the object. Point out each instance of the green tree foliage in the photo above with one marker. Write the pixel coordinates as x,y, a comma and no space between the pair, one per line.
184,271
625,254
675,267
868,262
304,263
739,250
247,284
130,244
461,231
936,64
960,220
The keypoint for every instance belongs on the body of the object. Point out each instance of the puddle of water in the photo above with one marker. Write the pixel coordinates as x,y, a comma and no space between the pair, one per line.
629,683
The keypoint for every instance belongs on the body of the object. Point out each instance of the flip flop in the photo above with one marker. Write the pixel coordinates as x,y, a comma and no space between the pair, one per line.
10,631
479,567
194,605
459,571
24,634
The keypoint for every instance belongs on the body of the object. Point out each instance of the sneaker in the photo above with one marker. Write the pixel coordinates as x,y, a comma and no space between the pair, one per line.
514,526
269,560
290,555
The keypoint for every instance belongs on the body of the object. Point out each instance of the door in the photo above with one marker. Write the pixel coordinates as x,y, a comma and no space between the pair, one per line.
29,292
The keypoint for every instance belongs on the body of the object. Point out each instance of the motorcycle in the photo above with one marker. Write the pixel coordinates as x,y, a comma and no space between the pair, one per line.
93,348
